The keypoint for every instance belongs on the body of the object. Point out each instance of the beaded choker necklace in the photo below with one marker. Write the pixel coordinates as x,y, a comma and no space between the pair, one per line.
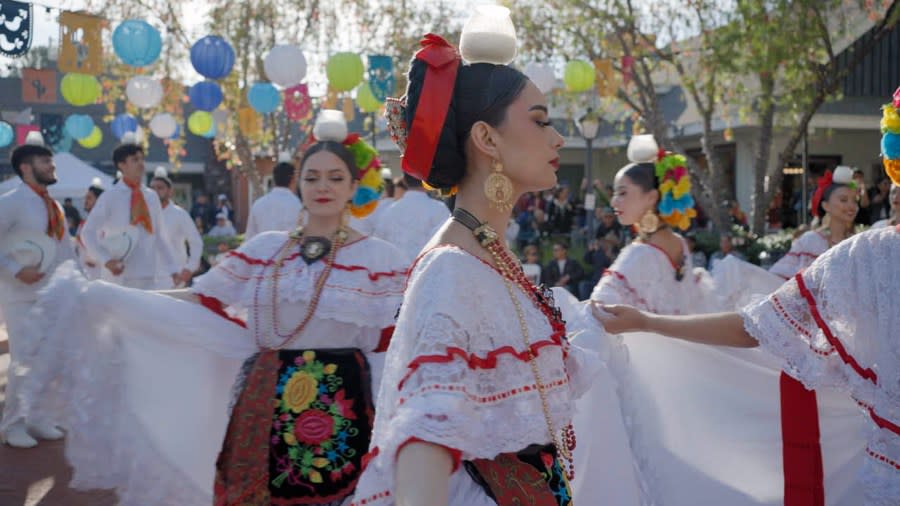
511,271
321,247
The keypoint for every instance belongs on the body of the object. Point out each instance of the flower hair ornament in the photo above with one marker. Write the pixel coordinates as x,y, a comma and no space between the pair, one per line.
842,175
331,126
676,205
890,140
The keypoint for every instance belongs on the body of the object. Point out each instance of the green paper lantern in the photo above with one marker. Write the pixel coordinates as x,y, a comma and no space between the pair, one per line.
80,89
344,71
93,140
366,100
200,122
579,76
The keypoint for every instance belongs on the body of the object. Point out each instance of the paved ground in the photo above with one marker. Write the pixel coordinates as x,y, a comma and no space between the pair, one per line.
39,476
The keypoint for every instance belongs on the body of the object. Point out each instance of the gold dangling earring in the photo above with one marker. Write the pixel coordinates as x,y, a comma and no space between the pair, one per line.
649,223
498,188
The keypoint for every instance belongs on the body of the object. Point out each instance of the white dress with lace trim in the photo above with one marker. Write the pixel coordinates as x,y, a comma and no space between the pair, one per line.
835,326
456,374
150,377
803,252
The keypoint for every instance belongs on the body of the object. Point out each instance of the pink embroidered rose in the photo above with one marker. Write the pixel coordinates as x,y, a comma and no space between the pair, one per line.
313,427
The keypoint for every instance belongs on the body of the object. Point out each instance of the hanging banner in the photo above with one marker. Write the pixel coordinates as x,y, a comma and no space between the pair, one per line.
297,103
39,86
15,28
382,81
81,43
607,83
52,129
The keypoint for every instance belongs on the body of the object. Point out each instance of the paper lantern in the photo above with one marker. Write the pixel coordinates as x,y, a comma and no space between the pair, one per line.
209,134
163,125
79,126
200,122
144,92
344,71
212,57
80,89
177,133
264,98
366,100
579,76
136,43
285,65
93,140
122,124
297,103
206,95
248,121
541,75
7,134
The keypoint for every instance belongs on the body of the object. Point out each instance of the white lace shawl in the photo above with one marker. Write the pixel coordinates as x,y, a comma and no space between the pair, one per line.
836,325
456,374
803,252
363,291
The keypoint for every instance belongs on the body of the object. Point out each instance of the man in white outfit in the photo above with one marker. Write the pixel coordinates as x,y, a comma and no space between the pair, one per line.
411,221
178,230
280,208
130,203
28,209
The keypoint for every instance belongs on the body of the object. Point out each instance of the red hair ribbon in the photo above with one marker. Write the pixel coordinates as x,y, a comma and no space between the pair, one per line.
437,91
824,182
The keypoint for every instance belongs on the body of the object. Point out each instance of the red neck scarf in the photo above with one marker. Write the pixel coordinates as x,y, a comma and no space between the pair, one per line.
140,213
56,220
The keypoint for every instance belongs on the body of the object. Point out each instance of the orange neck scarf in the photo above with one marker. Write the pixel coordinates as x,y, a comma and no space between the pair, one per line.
140,213
56,220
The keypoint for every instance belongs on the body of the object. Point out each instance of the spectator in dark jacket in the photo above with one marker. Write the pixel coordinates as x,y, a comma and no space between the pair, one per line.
562,271
596,258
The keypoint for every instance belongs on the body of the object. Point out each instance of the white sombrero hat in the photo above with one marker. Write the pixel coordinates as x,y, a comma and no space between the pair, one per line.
31,249
120,241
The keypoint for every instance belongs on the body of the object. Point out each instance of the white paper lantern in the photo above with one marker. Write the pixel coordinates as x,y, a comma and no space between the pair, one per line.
143,91
163,125
541,75
285,65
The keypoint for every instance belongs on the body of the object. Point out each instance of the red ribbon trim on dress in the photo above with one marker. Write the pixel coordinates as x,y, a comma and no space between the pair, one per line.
801,449
216,306
431,111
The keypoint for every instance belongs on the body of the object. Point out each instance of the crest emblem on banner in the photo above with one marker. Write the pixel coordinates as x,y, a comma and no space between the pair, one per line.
81,44
15,28
39,86
382,81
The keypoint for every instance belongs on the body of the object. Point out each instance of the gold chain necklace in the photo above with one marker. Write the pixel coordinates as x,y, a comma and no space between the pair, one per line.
294,240
489,240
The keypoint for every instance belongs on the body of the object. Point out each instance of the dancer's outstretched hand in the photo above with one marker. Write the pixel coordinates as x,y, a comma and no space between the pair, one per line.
618,318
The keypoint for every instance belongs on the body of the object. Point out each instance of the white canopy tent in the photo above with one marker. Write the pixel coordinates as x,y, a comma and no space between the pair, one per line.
74,177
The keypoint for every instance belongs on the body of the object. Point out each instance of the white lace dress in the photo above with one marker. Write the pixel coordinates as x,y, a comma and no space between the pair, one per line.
703,422
150,377
836,326
803,252
456,375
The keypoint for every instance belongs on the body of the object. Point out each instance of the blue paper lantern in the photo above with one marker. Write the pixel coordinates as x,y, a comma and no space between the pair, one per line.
137,43
264,98
7,134
212,57
79,126
123,124
206,95
177,132
212,132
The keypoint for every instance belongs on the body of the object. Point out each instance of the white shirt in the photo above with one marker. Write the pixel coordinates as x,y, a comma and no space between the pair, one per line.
177,229
278,210
23,211
411,221
366,226
226,230
150,256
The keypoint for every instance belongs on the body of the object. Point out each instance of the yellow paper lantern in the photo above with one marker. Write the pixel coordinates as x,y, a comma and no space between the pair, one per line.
248,121
93,140
579,76
366,99
344,71
200,122
80,89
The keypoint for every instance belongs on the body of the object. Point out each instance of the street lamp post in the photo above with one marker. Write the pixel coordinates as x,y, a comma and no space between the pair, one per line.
589,125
